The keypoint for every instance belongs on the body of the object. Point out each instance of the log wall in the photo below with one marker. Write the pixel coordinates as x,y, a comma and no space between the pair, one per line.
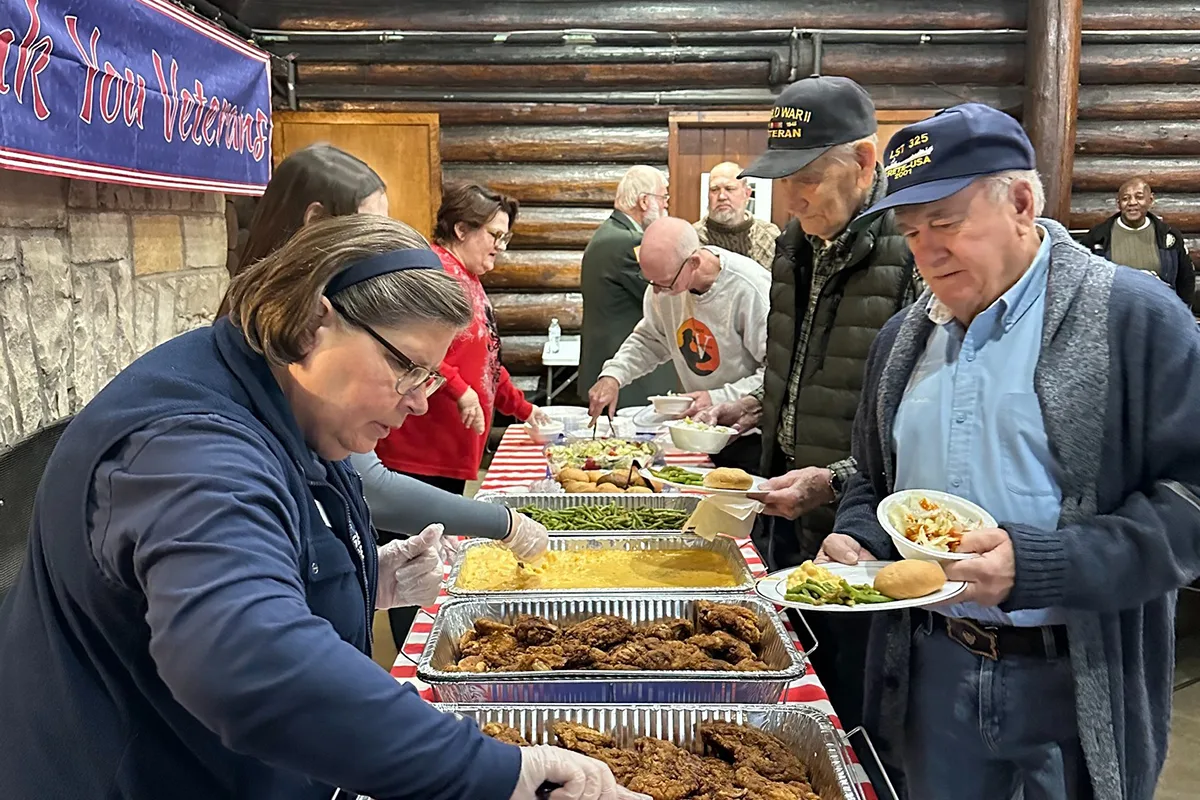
560,133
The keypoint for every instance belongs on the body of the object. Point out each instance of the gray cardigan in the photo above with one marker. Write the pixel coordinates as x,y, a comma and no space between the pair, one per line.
1118,378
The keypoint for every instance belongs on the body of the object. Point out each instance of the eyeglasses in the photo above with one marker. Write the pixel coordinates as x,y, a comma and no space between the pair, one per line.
414,376
678,272
501,239
666,198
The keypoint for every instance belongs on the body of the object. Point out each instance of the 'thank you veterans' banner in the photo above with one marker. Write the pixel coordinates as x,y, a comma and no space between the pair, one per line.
132,91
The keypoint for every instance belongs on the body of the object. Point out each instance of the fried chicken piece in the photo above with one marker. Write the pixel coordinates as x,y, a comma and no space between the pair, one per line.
577,654
666,629
721,645
630,653
470,664
759,788
623,763
532,661
531,630
499,649
667,772
739,621
750,747
750,665
603,631
581,738
503,733
485,626
468,644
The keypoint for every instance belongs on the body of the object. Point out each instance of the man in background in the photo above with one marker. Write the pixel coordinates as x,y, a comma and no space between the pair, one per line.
705,312
613,285
1133,237
729,224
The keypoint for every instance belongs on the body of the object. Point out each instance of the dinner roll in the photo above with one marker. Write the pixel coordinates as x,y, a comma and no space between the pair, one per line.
728,478
910,578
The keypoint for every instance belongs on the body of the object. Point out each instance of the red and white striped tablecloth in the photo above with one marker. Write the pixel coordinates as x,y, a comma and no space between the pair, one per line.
519,461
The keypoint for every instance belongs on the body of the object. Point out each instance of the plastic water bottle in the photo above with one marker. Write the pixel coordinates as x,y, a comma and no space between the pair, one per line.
555,335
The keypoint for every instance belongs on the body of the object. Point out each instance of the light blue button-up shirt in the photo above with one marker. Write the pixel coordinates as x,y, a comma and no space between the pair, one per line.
970,423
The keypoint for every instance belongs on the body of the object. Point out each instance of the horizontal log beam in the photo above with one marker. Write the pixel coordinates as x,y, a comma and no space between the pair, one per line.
625,144
1138,137
558,184
522,354
522,312
557,228
535,269
1139,102
588,111
677,15
472,76
1181,210
990,64
1155,15
1139,63
1107,173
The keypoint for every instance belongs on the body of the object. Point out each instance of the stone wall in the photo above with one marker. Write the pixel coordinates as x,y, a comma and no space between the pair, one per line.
91,276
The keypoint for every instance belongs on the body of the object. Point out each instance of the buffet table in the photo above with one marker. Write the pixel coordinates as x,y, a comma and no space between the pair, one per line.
517,462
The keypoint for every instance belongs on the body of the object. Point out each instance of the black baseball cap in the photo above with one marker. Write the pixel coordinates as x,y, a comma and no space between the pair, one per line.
939,156
811,116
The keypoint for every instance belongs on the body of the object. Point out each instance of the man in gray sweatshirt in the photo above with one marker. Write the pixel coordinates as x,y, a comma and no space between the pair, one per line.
705,311
1059,393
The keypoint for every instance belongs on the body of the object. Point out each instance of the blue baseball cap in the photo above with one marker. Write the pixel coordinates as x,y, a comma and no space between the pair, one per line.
936,157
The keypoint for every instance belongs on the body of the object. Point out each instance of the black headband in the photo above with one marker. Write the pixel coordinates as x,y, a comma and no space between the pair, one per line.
382,264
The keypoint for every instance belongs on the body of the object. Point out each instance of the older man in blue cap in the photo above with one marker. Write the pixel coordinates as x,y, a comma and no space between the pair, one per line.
1058,393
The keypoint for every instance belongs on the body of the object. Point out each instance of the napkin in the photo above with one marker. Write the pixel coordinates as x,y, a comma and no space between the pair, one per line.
732,515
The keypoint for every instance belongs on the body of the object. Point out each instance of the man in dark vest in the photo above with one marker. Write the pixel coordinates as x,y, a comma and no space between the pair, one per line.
1133,237
832,289
613,286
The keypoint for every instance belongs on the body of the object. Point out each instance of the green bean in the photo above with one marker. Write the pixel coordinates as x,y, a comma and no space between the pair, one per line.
819,593
679,475
607,518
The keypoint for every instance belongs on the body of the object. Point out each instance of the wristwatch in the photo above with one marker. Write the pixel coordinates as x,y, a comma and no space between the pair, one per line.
839,473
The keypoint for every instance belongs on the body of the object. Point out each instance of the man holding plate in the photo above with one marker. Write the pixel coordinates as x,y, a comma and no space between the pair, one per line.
1058,393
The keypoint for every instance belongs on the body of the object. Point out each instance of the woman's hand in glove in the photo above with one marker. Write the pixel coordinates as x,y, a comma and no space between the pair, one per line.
410,570
527,539
580,777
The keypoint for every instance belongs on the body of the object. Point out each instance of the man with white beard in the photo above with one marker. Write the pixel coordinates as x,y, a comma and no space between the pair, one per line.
728,224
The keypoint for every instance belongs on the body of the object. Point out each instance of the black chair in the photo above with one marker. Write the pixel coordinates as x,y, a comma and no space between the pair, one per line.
21,468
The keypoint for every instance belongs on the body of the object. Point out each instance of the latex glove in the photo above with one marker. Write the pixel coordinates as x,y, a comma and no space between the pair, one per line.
742,415
470,411
526,538
538,417
990,577
602,397
580,777
795,493
410,570
843,549
700,401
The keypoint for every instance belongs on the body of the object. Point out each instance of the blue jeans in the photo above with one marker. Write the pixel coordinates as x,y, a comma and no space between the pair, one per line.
985,730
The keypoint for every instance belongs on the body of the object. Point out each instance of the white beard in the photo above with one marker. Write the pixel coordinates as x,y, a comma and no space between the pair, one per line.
730,217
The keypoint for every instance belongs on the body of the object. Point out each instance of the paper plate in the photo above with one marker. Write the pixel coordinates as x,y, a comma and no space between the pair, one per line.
773,587
702,471
909,549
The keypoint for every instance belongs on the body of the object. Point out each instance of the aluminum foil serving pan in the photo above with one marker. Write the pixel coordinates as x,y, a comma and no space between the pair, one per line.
807,731
559,502
725,547
456,617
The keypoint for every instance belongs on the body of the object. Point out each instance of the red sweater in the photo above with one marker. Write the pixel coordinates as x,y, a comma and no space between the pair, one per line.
438,443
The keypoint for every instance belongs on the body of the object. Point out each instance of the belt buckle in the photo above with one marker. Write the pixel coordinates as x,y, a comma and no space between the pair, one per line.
974,638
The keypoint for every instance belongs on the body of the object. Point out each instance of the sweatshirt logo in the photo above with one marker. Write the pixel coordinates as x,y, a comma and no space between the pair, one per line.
698,347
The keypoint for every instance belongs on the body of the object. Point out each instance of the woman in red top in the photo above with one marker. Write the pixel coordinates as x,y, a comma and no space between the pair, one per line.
445,447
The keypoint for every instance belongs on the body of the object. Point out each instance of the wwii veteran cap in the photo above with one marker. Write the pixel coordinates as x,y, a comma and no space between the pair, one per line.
811,116
936,157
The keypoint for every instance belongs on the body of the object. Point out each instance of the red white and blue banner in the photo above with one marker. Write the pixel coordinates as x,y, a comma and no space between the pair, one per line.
139,92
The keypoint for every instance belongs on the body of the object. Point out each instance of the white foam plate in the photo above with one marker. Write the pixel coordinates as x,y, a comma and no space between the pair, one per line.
774,586
702,471
909,549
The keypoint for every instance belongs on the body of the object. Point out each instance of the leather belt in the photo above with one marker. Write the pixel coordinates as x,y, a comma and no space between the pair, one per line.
997,641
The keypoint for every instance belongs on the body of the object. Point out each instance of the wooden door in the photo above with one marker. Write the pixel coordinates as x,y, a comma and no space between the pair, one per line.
402,148
698,141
